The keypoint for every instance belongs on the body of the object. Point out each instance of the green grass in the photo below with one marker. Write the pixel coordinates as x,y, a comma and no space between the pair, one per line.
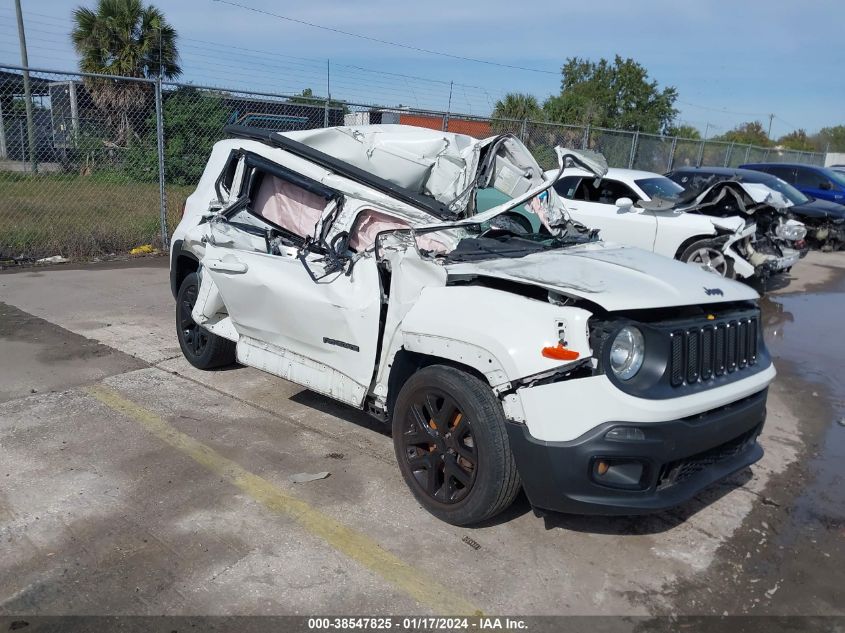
80,216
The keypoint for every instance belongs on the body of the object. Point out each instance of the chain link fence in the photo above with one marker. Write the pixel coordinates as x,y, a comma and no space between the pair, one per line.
102,165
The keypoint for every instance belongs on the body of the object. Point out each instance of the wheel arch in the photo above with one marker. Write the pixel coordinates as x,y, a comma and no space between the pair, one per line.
406,363
183,264
689,242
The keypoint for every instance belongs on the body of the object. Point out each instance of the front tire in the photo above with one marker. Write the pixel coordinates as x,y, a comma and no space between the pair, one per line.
708,254
201,348
452,447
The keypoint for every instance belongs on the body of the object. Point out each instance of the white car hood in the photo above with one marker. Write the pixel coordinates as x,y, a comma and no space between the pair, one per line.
613,276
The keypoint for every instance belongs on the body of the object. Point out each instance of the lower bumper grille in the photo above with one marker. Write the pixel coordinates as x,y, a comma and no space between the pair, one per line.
682,469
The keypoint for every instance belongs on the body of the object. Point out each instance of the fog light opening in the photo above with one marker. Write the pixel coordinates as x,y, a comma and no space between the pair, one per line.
619,473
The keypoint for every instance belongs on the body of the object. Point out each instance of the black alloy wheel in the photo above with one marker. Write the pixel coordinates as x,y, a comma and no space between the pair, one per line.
439,448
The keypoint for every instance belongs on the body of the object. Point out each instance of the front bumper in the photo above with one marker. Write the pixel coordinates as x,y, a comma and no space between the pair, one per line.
679,458
789,259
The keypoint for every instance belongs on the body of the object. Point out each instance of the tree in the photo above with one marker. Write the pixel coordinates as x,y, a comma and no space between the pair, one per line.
193,122
830,139
517,105
616,95
750,133
684,131
125,38
797,140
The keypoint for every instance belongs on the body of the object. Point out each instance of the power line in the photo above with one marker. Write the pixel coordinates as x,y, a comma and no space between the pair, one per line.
387,42
723,110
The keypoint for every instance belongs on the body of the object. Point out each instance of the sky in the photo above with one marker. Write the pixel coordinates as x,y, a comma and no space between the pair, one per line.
731,61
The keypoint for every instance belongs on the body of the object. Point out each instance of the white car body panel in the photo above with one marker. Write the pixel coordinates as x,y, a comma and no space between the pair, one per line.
498,350
634,226
274,305
594,400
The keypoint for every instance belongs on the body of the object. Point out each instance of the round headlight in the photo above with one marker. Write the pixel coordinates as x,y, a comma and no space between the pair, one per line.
627,352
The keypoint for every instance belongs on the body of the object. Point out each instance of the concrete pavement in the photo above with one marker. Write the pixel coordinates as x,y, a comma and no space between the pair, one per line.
135,484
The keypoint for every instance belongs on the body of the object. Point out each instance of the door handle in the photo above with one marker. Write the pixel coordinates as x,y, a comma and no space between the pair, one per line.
227,266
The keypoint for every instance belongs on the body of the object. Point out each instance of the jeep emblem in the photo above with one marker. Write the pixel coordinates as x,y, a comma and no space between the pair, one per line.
713,291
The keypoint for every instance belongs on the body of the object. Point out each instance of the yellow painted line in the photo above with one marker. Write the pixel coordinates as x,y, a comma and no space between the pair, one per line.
344,539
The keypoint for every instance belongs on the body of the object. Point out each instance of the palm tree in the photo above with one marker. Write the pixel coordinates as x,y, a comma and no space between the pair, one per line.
517,105
126,38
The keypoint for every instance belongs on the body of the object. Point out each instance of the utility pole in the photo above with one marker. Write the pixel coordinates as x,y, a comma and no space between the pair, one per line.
328,93
448,109
771,118
30,125
703,143
162,191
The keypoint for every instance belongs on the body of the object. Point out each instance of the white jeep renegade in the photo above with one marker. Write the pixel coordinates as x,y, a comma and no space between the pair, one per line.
357,262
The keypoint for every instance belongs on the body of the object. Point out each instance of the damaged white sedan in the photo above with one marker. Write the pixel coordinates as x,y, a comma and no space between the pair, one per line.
354,261
731,228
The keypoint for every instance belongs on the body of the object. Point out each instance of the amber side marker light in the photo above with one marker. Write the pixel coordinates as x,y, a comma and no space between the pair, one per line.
559,352
602,467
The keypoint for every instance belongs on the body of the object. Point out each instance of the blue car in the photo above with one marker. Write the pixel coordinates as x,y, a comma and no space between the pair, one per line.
817,182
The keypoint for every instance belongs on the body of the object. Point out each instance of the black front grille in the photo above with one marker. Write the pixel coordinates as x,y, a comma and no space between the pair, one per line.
681,470
704,353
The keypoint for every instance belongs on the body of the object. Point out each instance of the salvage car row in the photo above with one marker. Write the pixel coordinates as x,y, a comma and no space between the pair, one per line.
738,223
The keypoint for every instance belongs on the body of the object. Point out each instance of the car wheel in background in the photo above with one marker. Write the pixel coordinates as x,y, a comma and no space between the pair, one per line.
708,255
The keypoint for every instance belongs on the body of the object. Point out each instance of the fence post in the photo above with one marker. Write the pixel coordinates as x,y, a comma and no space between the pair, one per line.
3,152
165,242
700,154
728,154
633,149
585,144
524,131
747,153
672,153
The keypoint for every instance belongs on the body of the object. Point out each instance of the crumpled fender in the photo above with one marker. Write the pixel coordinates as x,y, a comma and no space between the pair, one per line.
499,334
732,224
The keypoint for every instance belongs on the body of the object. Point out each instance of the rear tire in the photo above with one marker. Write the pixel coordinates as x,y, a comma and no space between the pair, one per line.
708,254
452,446
201,348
